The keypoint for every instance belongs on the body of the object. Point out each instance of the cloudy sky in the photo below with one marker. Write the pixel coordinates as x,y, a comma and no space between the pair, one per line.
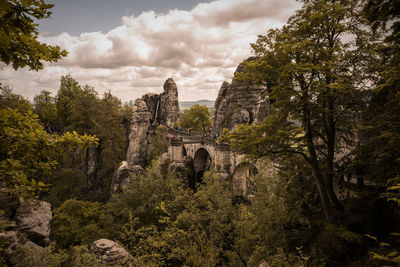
131,47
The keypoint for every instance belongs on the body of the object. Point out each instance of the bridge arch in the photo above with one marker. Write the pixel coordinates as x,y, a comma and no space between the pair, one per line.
202,163
184,152
241,183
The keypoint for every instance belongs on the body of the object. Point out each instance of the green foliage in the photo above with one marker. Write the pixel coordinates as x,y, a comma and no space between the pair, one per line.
188,229
10,100
196,118
377,158
315,90
67,93
78,222
393,191
67,184
40,257
45,107
28,152
79,256
157,144
144,195
80,109
18,34
275,224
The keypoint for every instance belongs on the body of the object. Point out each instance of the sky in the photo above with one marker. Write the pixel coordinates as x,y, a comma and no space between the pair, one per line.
130,47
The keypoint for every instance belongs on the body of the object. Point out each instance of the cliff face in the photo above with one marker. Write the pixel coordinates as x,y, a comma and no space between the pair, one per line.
239,103
151,109
139,124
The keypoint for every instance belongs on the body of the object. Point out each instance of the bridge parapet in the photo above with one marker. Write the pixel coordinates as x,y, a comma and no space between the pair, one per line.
182,132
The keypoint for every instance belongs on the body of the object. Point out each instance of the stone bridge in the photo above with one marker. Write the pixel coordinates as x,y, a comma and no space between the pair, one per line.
208,154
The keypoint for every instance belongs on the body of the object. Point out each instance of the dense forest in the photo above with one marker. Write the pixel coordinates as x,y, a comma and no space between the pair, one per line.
332,74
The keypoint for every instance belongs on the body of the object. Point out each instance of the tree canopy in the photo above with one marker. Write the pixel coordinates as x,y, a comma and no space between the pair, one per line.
196,118
317,87
28,153
18,34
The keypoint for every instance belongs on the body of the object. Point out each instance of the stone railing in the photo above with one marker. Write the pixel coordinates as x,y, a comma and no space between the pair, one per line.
180,137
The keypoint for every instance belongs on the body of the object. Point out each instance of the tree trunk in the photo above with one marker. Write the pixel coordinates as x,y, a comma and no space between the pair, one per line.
320,182
331,139
317,171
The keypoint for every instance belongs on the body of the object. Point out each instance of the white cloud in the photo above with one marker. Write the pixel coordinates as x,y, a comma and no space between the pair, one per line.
198,48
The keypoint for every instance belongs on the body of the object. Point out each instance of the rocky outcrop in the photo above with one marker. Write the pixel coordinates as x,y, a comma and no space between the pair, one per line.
169,105
11,239
151,109
139,124
91,166
239,102
122,176
110,253
33,219
153,105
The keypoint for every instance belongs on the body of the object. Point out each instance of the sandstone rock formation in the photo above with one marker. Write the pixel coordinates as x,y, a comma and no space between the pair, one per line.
151,109
91,165
121,176
33,219
153,105
110,253
11,239
238,103
169,105
139,124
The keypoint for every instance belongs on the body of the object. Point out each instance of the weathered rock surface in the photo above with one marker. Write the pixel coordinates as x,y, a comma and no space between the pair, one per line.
151,109
91,164
169,105
110,253
33,219
153,105
12,240
139,124
238,103
121,178
263,263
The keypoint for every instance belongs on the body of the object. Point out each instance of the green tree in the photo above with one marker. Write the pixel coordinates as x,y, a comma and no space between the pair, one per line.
186,229
109,115
68,91
18,34
196,118
317,88
378,157
45,107
275,224
78,222
157,144
28,153
10,100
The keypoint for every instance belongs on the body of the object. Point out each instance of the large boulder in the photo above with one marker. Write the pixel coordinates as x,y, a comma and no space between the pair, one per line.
239,102
122,175
33,219
110,253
